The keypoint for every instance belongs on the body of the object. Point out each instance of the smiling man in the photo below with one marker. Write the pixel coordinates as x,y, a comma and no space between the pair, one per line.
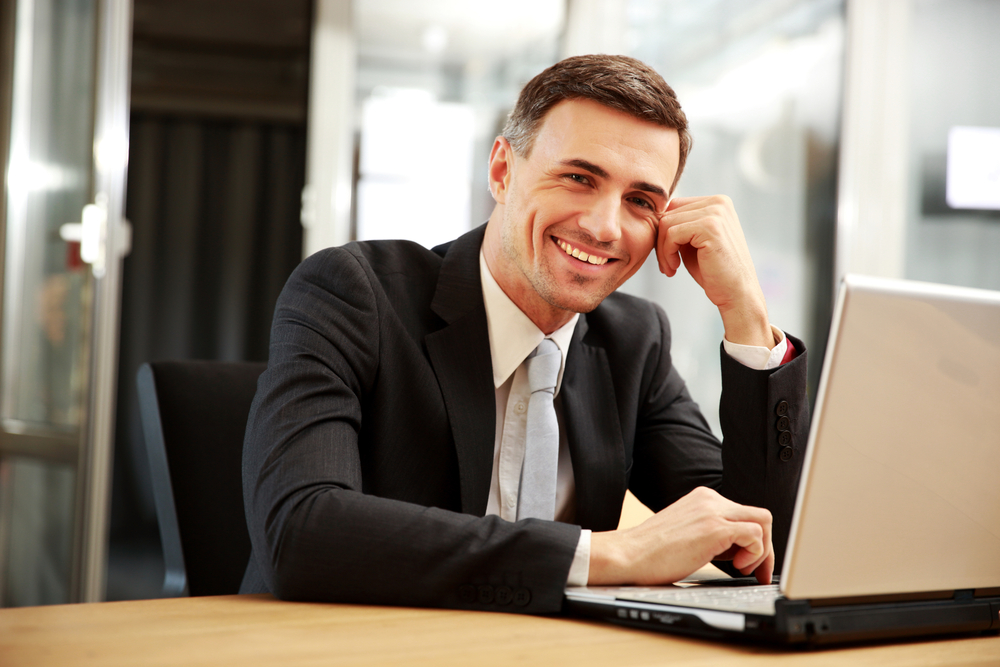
395,451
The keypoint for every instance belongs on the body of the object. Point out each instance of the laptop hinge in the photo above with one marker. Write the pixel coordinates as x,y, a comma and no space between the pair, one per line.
887,598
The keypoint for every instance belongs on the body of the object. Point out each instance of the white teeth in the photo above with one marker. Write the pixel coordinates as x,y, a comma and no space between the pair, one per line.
582,256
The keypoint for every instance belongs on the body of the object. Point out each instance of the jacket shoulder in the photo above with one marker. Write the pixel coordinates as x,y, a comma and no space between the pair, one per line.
381,257
382,266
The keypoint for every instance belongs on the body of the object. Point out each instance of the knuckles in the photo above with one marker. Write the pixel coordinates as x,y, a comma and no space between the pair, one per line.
721,202
703,493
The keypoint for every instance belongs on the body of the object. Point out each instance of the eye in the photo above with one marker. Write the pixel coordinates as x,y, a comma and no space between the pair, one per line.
641,203
578,178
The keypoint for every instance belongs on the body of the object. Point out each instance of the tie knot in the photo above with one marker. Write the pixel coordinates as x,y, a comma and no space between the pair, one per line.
543,367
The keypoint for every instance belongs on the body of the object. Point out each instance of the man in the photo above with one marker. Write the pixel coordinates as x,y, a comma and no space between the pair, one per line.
387,455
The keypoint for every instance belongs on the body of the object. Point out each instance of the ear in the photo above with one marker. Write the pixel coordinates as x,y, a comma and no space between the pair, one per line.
501,166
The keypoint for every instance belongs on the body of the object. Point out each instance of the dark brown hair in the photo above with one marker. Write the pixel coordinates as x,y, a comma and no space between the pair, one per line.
618,82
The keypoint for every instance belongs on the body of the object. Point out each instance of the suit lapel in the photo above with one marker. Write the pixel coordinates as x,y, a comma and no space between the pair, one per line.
460,355
596,445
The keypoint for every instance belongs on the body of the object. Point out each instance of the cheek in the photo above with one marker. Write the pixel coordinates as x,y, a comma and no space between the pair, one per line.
640,236
558,203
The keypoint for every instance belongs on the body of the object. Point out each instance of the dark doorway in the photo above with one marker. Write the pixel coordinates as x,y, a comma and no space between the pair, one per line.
216,170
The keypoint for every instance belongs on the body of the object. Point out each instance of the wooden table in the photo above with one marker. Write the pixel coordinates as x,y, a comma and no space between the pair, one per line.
259,630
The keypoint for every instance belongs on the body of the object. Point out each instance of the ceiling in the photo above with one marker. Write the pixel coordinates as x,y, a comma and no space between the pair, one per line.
453,30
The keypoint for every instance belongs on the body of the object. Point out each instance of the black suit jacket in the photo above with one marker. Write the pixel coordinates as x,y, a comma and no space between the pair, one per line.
369,447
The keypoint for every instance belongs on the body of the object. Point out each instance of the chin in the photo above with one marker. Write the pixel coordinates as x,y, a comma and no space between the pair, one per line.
576,304
572,293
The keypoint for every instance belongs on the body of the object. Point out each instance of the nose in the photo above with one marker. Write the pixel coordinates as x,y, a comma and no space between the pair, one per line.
601,220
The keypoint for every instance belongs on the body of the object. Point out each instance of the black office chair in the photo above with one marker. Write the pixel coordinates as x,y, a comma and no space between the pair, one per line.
194,414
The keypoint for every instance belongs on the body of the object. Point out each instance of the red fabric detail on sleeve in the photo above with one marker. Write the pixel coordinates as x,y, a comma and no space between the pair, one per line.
790,352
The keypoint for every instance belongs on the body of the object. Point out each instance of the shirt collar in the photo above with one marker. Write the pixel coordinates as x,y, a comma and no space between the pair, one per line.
513,336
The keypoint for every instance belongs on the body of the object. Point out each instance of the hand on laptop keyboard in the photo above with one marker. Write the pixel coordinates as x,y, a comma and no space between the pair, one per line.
700,527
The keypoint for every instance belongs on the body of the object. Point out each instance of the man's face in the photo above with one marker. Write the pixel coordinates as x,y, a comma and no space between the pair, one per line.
578,216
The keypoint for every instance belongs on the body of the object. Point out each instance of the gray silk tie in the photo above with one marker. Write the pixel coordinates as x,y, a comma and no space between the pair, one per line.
537,497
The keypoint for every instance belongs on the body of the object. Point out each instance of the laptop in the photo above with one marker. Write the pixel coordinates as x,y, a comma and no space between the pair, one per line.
896,529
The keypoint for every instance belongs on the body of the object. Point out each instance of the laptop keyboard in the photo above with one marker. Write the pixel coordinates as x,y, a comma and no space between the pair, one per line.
742,599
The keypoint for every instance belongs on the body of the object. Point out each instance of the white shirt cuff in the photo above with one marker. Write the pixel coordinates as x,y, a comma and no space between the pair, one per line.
579,571
757,357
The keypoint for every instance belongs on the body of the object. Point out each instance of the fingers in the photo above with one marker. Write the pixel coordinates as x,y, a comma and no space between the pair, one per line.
668,243
750,514
752,550
692,226
766,569
700,527
686,202
667,251
697,228
689,208
741,533
683,239
749,537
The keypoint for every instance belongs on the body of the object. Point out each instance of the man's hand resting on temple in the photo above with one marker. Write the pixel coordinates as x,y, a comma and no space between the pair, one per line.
705,232
700,527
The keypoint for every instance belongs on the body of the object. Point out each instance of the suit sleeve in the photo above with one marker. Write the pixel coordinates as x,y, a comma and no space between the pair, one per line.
675,450
316,533
765,424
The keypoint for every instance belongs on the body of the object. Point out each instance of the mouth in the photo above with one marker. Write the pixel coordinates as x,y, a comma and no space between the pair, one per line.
587,258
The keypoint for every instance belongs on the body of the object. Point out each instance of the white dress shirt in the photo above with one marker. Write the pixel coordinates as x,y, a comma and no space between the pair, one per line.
513,336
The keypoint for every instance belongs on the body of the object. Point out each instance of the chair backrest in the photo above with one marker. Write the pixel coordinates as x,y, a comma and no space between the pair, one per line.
194,415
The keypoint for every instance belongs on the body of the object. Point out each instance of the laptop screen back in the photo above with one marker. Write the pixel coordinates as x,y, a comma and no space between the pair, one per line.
901,486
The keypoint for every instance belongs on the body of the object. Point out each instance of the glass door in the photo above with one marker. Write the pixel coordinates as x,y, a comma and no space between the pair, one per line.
64,238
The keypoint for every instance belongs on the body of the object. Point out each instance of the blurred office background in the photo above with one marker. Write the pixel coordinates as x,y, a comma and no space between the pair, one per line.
237,136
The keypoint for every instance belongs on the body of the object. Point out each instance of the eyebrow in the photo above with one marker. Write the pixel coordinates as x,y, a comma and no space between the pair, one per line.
600,171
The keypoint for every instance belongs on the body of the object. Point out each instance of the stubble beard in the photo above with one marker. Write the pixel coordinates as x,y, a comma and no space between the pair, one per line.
539,277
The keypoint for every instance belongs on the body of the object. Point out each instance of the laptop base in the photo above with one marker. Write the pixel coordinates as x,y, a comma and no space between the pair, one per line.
800,623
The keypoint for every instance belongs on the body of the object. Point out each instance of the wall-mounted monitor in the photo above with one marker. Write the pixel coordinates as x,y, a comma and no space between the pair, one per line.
973,173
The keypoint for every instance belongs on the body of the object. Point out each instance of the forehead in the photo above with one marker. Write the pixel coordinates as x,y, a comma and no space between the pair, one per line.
621,144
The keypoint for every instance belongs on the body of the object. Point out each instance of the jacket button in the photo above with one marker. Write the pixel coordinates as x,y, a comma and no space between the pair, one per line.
783,424
504,595
522,596
485,594
467,593
785,438
786,453
782,409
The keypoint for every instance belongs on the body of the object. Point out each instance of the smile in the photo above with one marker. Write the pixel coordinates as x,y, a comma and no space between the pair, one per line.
582,256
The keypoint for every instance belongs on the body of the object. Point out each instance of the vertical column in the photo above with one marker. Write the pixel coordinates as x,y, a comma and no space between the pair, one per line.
110,153
872,193
326,198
